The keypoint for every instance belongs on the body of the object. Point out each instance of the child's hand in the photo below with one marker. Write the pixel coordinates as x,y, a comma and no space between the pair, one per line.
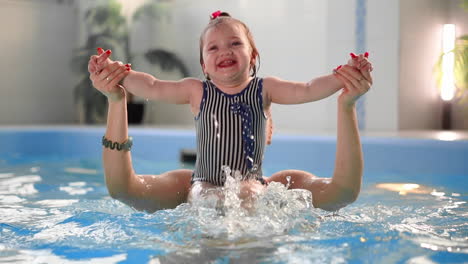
356,83
98,62
107,80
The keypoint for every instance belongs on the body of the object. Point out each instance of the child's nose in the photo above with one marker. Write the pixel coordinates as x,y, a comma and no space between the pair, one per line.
226,51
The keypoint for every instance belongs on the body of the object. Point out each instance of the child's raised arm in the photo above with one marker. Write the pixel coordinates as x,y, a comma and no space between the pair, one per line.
147,86
287,92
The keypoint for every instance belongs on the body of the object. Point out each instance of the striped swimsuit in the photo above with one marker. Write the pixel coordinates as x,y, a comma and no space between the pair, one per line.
230,133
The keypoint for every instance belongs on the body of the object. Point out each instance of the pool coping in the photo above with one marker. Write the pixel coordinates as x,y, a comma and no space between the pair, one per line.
442,135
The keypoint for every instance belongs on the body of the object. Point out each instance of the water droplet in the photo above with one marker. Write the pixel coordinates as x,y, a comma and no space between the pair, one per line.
288,178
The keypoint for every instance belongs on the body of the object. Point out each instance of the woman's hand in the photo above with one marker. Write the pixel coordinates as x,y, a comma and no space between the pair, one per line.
356,83
100,61
361,62
107,80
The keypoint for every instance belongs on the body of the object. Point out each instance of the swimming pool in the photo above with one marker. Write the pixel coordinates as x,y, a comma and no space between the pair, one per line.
54,206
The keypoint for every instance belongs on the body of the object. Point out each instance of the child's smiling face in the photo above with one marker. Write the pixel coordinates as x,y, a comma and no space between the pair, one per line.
227,54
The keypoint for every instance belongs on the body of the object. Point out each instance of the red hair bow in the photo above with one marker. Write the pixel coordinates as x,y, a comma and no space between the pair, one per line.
215,14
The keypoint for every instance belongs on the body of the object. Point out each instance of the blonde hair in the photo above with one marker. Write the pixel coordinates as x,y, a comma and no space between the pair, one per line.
222,18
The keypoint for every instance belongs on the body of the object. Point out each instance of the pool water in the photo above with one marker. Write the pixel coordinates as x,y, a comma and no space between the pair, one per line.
57,210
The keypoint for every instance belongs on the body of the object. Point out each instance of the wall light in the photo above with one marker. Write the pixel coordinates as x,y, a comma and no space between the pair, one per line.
448,62
447,89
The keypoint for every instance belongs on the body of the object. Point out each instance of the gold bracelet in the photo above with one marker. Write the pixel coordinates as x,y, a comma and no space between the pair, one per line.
127,145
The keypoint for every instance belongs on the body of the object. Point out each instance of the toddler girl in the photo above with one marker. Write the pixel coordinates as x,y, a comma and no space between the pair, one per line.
229,109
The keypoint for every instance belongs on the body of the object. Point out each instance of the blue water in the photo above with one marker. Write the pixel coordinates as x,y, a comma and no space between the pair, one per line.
56,209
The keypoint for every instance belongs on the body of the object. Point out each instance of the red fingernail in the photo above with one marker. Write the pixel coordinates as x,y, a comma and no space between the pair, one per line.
108,51
337,68
366,54
128,65
353,55
100,50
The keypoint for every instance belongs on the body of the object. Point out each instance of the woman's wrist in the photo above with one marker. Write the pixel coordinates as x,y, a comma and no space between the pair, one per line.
116,97
346,104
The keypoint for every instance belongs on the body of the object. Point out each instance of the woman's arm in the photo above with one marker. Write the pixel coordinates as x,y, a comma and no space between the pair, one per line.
143,192
345,184
117,164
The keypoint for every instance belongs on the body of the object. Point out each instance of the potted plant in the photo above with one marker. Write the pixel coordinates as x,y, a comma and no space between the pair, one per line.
109,29
460,68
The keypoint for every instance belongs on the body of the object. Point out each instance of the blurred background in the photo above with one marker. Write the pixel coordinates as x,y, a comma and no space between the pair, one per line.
46,44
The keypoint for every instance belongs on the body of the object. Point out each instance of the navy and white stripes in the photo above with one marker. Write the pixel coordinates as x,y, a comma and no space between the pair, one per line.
230,132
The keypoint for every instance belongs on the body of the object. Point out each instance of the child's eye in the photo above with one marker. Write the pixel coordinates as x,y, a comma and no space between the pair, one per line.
212,48
236,43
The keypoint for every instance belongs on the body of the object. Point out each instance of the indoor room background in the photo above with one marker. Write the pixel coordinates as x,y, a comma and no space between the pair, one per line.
44,42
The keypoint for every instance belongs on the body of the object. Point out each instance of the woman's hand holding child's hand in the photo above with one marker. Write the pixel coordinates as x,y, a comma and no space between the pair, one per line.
107,74
356,78
360,61
100,61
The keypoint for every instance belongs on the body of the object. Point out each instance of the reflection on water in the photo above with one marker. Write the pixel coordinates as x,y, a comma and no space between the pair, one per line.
65,216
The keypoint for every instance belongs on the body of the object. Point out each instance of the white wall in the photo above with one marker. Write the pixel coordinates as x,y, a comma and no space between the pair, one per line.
37,41
300,40
382,43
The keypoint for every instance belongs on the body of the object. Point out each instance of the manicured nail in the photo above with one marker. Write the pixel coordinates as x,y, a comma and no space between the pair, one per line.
366,54
128,65
108,52
337,68
353,55
100,50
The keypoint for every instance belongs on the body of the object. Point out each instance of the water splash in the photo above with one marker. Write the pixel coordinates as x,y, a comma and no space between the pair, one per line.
217,126
274,211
